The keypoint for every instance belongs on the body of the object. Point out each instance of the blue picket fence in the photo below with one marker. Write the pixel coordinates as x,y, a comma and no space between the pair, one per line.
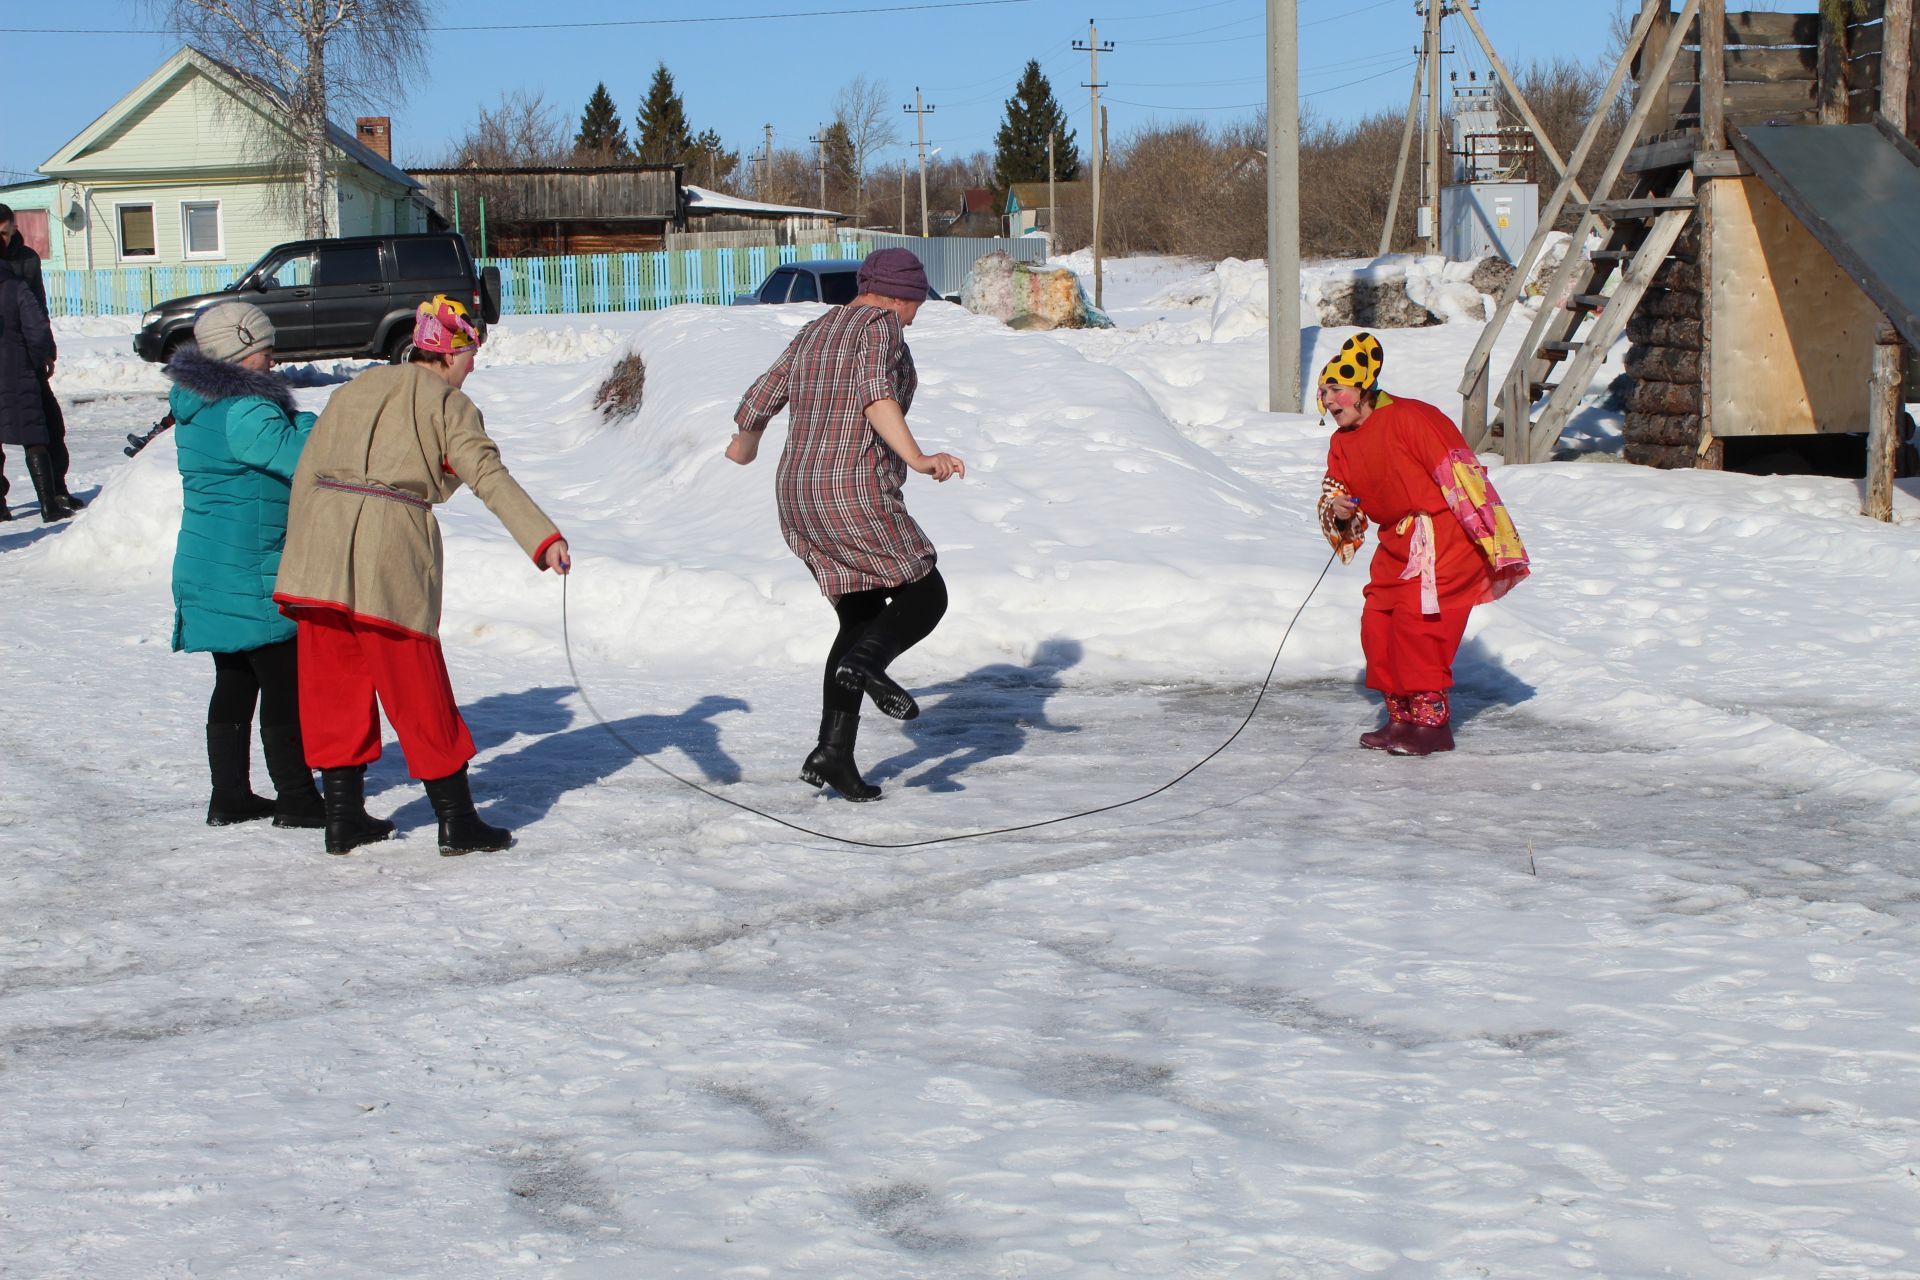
647,281
559,285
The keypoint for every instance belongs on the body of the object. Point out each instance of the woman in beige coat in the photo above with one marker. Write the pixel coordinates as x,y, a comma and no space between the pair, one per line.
361,577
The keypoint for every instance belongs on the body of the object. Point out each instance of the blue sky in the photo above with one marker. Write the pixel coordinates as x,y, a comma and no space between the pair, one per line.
1203,60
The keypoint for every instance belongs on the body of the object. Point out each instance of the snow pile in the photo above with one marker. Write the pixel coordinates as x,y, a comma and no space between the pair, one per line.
525,340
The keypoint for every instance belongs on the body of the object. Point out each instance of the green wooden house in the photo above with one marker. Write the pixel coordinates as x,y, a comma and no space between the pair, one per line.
194,167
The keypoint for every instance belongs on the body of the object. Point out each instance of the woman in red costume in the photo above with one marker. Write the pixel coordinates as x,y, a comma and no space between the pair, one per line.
1446,543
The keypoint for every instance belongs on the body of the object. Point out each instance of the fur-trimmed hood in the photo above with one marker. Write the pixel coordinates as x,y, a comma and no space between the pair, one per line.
216,380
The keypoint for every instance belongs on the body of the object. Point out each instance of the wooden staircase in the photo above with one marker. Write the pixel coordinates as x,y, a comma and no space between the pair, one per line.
1642,225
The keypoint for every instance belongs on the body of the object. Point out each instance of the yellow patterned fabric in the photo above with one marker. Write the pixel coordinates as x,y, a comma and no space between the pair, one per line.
1476,505
1357,364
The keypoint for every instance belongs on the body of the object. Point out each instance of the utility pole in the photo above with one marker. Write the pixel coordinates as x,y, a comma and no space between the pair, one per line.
903,197
819,141
1283,206
1429,229
1093,47
766,164
1053,224
920,113
1400,165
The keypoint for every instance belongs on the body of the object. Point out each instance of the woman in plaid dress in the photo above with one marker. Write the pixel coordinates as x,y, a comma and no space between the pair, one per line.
848,379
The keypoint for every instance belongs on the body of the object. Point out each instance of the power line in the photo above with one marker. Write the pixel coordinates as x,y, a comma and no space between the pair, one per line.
577,26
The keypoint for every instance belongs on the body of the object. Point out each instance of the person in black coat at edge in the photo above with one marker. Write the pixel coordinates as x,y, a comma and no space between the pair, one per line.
19,260
26,348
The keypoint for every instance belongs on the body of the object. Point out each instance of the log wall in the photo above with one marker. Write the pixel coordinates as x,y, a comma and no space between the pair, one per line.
1668,333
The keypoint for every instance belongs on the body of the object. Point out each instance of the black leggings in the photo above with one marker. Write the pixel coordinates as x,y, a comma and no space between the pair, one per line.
903,615
270,673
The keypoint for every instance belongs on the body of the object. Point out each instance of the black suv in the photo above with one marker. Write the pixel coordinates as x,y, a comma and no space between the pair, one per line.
338,297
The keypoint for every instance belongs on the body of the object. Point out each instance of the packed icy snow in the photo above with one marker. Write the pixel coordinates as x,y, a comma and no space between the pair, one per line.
1623,987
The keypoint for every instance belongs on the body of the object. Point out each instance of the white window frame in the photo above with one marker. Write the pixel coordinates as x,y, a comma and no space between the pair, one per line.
120,232
219,231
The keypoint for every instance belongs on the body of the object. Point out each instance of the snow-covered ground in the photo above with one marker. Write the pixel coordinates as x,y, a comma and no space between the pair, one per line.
1624,987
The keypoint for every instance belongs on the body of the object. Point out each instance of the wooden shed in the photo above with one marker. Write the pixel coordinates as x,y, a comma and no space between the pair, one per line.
1760,254
560,209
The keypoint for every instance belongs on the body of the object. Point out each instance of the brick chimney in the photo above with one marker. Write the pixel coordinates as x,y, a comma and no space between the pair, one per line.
376,134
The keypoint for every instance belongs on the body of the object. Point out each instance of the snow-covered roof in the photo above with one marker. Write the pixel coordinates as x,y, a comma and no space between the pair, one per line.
701,198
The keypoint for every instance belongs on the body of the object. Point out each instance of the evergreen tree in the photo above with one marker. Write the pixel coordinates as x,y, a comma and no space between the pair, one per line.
664,136
602,137
1020,147
840,160
710,164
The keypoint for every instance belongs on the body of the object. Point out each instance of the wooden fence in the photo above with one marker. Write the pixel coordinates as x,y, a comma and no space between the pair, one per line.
528,286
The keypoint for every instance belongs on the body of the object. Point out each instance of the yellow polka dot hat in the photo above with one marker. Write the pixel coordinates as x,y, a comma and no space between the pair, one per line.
1357,365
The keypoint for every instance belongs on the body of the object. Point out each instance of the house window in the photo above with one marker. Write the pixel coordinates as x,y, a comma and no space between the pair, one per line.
200,229
136,230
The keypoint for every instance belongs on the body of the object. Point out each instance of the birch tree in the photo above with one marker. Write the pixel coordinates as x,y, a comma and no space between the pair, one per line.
307,52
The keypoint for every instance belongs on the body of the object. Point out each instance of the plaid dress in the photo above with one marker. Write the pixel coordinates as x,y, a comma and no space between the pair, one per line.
838,482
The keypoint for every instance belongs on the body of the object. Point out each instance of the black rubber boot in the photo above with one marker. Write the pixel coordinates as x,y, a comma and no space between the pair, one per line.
864,666
53,503
343,793
229,760
831,764
461,830
296,801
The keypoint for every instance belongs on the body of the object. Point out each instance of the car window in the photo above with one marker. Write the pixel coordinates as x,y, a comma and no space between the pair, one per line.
775,289
290,270
839,287
805,289
435,259
348,264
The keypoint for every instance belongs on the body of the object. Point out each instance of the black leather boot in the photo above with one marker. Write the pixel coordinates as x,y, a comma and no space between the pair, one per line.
864,667
46,486
461,830
831,764
229,760
296,801
343,793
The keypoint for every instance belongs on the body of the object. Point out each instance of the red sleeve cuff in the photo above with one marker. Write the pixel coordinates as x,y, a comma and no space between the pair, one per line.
540,552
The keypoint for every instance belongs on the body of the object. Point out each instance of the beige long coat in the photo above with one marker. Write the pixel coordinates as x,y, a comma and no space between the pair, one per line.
400,440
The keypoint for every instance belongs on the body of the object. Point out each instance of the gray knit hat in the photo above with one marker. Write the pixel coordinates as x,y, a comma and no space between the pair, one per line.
232,331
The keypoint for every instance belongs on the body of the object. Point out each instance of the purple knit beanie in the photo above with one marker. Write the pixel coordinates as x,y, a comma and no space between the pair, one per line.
894,273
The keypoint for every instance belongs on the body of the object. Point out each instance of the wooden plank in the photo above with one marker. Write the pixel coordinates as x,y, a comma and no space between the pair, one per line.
1658,116
1765,29
1748,100
1831,95
1713,74
1665,154
1621,210
1792,333
1884,408
1896,70
1720,164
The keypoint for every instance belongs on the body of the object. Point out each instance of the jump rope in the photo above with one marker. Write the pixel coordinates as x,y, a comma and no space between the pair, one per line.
566,640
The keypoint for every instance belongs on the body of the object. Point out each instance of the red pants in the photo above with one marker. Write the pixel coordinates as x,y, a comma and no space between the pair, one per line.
344,664
1407,651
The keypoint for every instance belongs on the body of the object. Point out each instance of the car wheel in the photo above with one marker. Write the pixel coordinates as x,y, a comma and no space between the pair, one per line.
400,346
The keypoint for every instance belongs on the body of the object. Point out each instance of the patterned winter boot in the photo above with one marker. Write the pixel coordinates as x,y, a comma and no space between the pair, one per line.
1398,716
1429,728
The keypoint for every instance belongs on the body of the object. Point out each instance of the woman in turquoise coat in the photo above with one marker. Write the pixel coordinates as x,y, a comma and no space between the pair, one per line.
238,440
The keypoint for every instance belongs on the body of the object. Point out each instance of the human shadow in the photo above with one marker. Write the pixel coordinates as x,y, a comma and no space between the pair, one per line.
1480,684
983,715
529,781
